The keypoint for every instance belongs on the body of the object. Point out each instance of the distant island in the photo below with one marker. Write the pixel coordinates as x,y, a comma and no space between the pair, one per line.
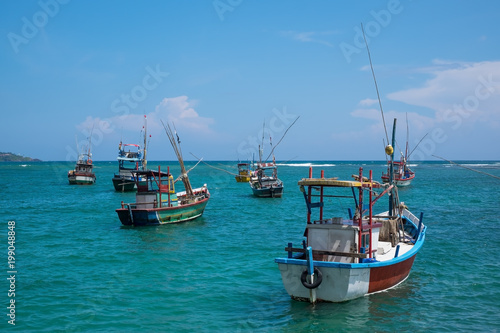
10,157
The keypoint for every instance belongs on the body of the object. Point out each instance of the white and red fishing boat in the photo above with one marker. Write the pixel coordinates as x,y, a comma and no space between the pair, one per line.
403,175
401,172
83,173
346,257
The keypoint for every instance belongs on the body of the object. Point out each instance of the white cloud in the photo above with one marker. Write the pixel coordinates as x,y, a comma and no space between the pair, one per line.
463,100
310,36
177,110
368,102
373,114
468,90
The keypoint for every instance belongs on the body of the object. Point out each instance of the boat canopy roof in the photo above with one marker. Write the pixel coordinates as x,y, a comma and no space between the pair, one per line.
131,144
334,182
150,173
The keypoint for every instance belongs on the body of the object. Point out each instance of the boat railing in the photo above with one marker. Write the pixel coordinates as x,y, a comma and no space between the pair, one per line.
410,216
291,250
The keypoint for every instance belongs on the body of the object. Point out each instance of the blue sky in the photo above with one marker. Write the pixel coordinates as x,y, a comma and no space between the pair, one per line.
226,71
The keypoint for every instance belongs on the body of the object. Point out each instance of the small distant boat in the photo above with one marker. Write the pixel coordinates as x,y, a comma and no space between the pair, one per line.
265,182
156,199
403,175
130,158
244,173
344,258
83,173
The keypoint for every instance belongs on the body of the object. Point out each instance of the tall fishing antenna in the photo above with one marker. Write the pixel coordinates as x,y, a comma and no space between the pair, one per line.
417,144
90,142
375,80
261,147
407,137
77,147
282,138
211,166
144,160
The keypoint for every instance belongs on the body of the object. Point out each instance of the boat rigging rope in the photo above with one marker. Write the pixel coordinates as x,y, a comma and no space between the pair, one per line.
375,80
484,173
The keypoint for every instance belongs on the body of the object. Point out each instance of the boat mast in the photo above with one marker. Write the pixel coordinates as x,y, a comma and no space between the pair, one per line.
89,155
391,172
178,153
407,139
144,160
261,146
389,150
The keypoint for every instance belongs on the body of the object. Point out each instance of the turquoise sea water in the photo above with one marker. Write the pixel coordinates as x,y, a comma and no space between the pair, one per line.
79,270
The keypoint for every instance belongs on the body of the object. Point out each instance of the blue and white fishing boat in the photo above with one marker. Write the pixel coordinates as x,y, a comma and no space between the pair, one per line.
265,182
130,158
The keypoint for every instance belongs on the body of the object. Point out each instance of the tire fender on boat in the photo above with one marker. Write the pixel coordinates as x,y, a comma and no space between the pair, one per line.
317,281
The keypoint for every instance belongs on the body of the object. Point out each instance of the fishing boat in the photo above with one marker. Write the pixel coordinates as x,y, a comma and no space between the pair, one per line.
265,182
244,173
130,158
403,175
347,255
83,173
401,172
156,200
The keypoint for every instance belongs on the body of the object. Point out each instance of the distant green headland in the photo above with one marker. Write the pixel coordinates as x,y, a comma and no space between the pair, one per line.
9,157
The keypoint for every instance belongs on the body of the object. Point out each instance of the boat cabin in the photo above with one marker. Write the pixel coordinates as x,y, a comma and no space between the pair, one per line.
155,189
343,236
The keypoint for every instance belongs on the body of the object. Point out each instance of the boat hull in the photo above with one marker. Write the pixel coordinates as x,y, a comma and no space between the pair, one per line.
399,181
343,281
122,184
80,179
268,192
164,215
242,178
